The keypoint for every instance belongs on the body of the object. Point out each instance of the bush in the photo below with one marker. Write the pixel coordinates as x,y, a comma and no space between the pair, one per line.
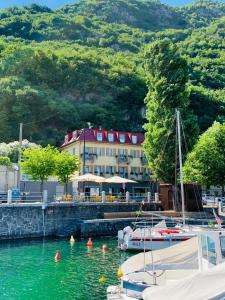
4,161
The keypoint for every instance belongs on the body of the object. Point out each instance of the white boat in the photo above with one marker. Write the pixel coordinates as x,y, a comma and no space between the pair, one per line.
152,238
154,275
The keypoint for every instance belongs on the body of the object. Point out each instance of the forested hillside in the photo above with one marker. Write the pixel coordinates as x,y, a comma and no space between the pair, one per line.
84,62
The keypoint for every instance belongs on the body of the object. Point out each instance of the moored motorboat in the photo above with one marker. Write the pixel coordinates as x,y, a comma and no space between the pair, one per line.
145,237
161,268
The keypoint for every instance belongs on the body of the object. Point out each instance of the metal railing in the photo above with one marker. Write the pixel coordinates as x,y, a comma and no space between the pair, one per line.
38,197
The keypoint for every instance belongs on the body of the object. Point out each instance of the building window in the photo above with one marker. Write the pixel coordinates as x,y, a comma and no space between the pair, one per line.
74,151
135,171
135,153
87,169
109,152
110,137
122,138
122,152
134,139
110,170
66,138
122,171
99,136
74,135
87,150
100,151
99,170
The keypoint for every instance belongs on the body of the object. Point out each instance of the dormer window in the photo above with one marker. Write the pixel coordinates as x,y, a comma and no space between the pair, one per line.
134,139
66,138
110,137
99,136
122,138
74,135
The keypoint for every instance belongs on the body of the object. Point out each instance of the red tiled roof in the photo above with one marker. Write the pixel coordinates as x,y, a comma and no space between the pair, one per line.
91,136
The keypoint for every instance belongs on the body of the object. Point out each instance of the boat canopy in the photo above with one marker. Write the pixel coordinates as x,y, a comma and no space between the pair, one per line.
183,255
208,285
142,231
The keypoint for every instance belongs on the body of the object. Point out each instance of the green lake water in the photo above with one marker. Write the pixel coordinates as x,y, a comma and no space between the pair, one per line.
28,270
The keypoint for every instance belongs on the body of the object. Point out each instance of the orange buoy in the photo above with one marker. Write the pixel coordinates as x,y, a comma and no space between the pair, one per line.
104,247
57,256
89,243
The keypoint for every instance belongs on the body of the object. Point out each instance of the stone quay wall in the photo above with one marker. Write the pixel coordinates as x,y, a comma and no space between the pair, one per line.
63,219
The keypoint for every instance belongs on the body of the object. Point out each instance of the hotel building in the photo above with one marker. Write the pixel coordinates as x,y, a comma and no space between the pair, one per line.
108,153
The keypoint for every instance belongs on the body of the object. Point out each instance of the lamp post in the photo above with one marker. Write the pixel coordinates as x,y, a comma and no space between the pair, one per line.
19,155
84,146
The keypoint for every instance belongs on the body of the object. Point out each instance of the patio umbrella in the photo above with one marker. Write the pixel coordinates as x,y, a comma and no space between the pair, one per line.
88,177
118,179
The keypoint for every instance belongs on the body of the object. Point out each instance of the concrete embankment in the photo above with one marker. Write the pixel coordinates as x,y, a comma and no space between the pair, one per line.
63,219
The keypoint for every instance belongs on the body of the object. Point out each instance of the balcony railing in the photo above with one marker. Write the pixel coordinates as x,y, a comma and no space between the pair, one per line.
123,159
89,156
144,160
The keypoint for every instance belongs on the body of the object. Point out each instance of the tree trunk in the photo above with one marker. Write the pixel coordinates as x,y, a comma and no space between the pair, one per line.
222,190
42,189
66,188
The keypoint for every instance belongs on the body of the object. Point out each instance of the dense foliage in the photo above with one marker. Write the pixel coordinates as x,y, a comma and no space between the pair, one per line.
61,69
205,164
167,75
4,161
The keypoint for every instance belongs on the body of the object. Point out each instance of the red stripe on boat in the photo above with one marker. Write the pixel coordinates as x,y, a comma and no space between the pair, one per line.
160,239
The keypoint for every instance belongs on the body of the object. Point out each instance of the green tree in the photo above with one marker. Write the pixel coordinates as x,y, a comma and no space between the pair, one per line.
39,162
205,164
65,165
5,161
167,75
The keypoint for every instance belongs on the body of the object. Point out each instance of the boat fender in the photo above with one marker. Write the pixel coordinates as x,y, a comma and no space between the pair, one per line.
72,240
89,243
57,256
119,273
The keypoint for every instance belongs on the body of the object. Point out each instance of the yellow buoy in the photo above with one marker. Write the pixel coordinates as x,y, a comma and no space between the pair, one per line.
102,279
119,273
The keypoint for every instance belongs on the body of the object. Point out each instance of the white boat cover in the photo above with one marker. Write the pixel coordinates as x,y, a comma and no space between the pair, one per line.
183,255
208,285
161,224
148,231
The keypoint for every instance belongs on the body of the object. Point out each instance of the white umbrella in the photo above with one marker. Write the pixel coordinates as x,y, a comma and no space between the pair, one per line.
89,177
118,179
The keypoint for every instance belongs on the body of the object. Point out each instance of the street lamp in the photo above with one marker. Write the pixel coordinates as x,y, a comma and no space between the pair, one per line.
84,146
84,151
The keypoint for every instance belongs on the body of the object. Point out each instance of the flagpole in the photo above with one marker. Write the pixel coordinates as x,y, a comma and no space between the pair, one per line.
181,165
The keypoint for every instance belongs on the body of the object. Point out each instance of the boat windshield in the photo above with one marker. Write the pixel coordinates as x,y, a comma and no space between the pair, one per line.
208,249
222,246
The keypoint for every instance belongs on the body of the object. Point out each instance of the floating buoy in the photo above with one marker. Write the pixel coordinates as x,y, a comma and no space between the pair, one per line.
89,243
102,279
104,247
119,273
57,256
72,240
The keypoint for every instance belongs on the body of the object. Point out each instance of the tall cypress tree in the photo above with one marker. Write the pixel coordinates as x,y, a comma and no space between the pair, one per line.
167,76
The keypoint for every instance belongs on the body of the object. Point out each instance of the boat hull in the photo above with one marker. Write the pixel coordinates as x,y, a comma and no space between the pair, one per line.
153,243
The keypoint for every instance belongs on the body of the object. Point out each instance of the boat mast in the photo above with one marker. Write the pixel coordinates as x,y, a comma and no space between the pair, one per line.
180,164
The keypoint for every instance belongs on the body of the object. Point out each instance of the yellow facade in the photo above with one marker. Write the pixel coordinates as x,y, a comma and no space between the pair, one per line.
110,159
